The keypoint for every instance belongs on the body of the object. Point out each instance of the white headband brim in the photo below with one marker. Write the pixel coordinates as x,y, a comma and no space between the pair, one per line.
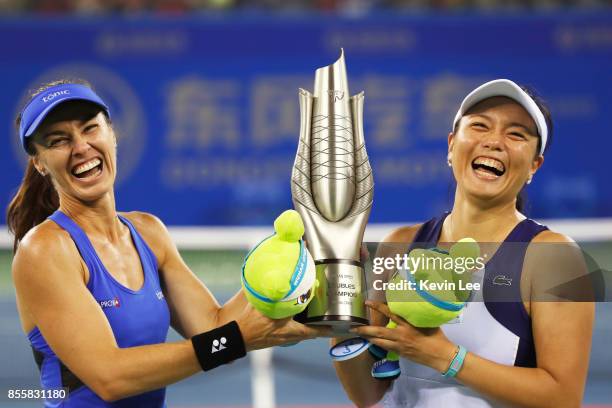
509,89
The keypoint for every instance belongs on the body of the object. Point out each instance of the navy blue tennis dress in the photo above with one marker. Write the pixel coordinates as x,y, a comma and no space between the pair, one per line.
499,331
137,317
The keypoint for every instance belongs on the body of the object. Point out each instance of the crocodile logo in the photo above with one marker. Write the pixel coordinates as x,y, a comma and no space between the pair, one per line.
502,280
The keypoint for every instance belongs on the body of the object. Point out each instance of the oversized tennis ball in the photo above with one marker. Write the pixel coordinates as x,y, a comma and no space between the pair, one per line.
417,311
434,296
429,295
278,275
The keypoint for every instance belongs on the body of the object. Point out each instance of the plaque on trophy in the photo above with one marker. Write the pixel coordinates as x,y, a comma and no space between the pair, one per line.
332,188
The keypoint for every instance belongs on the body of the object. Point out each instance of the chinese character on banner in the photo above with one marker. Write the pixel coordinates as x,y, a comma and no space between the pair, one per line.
442,96
203,113
275,111
387,111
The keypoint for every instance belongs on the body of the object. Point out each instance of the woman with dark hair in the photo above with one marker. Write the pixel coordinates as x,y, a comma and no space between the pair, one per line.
97,289
509,347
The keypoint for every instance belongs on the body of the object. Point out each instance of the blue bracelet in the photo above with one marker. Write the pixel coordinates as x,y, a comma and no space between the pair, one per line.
457,363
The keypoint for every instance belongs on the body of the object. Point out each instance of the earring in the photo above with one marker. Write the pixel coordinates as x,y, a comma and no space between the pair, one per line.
529,179
448,160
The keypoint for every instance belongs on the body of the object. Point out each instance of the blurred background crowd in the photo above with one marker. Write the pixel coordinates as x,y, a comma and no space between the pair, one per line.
97,7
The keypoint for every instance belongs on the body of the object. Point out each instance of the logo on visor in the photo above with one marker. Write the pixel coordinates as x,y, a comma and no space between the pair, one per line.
125,105
53,95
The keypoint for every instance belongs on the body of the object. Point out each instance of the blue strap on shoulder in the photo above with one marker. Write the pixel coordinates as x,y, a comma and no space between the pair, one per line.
79,237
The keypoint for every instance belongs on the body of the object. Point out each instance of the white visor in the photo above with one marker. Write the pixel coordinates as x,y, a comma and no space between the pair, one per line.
507,88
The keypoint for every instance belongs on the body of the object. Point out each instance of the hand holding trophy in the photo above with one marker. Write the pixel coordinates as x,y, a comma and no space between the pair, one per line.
332,189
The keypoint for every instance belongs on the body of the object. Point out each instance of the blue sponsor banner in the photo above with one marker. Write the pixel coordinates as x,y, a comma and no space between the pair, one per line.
206,110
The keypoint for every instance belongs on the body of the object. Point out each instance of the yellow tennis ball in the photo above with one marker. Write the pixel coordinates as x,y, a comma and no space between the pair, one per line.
414,309
270,268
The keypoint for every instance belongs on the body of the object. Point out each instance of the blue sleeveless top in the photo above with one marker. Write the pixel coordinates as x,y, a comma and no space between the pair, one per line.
137,317
501,298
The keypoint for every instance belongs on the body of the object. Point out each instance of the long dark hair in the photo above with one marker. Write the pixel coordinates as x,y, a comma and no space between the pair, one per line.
36,197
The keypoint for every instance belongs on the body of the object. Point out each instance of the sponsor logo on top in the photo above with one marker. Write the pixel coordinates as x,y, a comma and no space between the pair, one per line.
105,304
502,280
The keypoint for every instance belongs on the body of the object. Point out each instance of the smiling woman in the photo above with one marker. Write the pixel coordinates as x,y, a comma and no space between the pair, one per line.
97,290
508,346
36,198
533,119
504,170
74,129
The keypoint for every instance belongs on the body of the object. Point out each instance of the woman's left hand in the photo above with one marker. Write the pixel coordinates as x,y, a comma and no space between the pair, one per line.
427,346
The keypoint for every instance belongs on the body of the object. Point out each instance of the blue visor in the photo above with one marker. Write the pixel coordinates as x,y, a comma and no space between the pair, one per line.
39,107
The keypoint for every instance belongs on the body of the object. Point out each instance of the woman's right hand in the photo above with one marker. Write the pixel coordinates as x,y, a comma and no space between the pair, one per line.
259,331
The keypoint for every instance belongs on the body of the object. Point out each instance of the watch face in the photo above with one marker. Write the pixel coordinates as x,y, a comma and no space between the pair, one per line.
348,349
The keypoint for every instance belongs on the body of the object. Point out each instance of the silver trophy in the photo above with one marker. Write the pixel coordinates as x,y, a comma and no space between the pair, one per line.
332,189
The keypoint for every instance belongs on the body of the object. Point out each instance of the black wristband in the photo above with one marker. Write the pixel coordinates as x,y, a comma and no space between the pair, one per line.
219,346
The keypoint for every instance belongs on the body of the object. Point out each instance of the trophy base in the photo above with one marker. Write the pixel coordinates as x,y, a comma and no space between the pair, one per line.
332,320
339,297
338,324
